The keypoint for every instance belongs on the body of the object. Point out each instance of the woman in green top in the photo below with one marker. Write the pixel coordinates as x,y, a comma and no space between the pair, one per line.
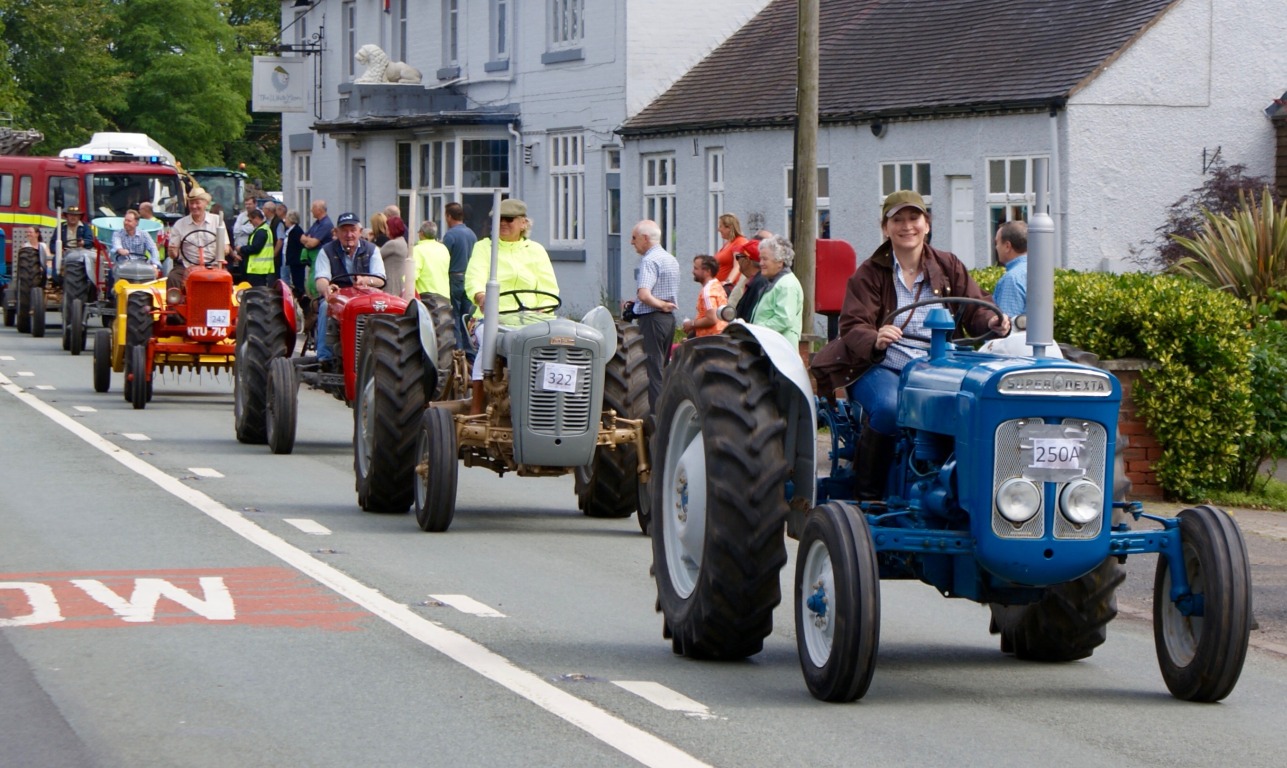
782,305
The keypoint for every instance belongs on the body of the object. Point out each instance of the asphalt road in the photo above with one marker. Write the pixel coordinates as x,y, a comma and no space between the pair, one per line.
170,597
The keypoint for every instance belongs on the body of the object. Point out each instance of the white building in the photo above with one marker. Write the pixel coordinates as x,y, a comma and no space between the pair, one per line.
1129,100
523,97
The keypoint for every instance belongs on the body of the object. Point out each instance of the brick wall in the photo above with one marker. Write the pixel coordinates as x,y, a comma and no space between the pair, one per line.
1142,448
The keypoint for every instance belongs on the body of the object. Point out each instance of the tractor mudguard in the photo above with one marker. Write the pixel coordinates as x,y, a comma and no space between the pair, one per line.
428,344
601,320
801,444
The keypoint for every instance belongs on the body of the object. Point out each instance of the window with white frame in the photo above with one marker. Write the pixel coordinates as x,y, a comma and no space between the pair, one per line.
567,189
913,175
1010,192
450,32
823,204
405,183
348,22
567,23
499,30
437,179
302,163
398,10
714,197
659,195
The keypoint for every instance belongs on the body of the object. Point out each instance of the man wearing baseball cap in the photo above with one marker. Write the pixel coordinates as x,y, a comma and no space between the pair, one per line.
347,261
753,284
871,348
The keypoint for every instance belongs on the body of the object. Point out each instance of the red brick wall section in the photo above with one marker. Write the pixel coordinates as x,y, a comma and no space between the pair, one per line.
1142,448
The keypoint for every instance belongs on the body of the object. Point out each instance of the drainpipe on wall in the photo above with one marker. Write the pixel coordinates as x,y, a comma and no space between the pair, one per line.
516,162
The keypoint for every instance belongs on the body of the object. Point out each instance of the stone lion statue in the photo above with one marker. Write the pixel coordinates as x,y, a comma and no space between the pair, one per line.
380,70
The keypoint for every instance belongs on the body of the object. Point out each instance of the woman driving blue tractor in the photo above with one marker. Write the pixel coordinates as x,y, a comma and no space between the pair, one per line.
877,337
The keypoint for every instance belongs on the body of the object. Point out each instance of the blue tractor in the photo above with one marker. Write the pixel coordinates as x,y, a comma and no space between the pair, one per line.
1001,491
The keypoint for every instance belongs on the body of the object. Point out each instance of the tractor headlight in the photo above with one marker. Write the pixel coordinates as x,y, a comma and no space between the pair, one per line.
1081,501
1018,500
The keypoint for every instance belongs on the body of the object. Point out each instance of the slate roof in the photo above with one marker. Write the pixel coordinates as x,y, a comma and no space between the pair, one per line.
899,59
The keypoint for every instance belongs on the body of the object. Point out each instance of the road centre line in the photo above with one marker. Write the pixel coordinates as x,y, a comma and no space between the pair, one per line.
26,373
308,526
205,472
85,409
137,436
632,741
6,357
467,604
665,698
46,386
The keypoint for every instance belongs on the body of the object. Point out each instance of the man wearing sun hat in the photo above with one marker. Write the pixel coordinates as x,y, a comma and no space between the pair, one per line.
74,232
903,270
196,237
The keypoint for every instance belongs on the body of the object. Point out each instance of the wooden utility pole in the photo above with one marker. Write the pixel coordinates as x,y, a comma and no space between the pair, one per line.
804,195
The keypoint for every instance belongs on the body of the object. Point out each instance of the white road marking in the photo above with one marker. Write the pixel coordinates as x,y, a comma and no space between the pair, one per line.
206,472
26,373
46,386
6,357
308,526
135,436
665,698
467,604
609,729
85,409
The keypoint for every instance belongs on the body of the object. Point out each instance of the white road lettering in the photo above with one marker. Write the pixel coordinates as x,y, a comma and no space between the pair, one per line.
215,605
467,604
309,526
628,739
665,698
44,606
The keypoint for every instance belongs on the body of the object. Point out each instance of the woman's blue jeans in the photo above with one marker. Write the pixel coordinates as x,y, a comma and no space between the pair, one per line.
877,392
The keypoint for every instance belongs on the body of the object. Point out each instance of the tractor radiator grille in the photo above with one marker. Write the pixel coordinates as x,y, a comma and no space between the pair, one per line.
358,337
557,413
1010,461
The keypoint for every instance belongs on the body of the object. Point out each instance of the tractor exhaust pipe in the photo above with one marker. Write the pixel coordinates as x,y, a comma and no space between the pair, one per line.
1041,267
491,300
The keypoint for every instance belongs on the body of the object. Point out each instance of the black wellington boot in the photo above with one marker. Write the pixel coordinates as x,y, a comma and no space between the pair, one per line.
871,463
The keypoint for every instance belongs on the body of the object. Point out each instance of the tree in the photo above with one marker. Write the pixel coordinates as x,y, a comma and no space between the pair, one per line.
65,82
190,83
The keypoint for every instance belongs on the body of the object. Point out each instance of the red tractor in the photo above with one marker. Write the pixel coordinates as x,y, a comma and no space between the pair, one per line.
188,329
401,349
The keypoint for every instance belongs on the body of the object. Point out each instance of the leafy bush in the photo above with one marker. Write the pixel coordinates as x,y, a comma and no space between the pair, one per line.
1197,402
1220,193
1268,440
1243,253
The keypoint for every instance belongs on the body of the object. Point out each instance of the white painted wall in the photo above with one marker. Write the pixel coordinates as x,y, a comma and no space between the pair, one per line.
1199,79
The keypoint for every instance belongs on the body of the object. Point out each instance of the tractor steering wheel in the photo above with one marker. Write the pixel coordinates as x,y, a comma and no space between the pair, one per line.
383,280
946,300
207,241
558,302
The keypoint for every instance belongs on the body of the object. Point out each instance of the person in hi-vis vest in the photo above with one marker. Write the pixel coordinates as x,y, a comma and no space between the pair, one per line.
258,251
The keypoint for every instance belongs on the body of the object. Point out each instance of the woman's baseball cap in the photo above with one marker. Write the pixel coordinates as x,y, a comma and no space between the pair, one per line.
904,198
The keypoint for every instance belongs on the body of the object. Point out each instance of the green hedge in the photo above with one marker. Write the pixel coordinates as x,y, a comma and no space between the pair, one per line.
1197,402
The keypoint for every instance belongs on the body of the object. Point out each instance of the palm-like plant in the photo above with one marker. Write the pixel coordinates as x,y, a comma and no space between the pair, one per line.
1244,253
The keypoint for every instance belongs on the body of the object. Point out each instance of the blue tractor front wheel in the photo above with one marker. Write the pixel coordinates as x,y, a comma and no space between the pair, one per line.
1202,637
837,603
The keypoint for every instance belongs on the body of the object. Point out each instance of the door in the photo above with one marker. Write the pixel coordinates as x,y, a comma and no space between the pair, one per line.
963,219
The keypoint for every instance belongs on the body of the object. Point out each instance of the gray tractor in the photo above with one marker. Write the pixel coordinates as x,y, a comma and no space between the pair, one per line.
561,397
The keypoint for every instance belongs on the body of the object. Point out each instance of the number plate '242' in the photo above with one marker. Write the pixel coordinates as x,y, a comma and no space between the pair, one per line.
1052,453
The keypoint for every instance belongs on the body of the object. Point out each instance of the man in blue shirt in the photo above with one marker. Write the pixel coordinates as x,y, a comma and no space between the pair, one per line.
131,243
347,261
322,230
657,279
459,239
1011,293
